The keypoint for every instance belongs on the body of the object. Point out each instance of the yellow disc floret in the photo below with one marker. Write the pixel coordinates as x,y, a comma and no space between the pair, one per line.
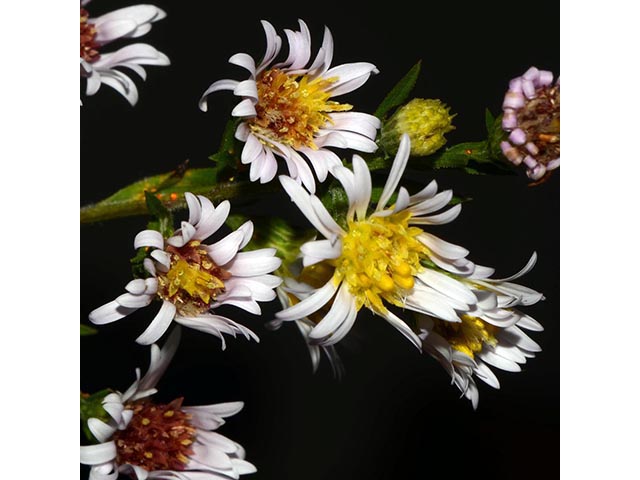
193,280
292,108
380,256
468,336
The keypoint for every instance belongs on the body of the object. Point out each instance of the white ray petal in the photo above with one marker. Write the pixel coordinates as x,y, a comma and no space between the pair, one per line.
97,454
214,87
397,169
109,312
159,324
403,328
310,304
148,238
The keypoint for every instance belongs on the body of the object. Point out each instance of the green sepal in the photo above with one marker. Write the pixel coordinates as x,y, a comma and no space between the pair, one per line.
91,407
87,330
400,92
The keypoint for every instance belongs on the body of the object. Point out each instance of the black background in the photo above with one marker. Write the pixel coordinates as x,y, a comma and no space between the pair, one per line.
395,414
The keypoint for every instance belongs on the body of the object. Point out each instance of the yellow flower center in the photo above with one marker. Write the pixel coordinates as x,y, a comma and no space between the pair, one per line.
193,280
468,336
292,108
379,258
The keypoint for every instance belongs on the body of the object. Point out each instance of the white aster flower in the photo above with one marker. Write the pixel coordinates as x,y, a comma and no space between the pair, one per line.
147,440
99,67
385,258
191,278
490,334
287,111
290,293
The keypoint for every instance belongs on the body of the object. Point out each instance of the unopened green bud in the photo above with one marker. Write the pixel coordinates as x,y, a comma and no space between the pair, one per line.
424,120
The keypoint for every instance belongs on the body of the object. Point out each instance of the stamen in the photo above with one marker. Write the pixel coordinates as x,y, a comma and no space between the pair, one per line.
193,280
468,336
158,437
379,258
291,109
88,32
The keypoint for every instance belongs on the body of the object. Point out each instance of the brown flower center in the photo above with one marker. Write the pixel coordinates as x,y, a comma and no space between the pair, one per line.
540,120
193,280
158,437
292,108
88,45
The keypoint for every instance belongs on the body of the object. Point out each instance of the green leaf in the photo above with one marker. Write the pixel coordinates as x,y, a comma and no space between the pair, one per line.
164,220
400,92
131,200
91,407
87,330
489,120
458,156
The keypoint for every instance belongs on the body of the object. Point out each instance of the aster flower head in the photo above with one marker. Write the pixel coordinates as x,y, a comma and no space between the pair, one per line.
489,335
425,120
144,439
191,278
382,258
531,115
99,67
287,109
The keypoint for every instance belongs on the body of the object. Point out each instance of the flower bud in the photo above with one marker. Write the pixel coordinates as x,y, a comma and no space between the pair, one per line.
424,120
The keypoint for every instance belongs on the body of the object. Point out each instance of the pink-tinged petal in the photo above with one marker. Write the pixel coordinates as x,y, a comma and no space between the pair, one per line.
255,262
212,221
269,167
324,57
532,74
122,84
247,231
403,328
247,88
258,290
528,88
224,250
509,119
545,79
136,287
194,207
214,87
350,77
299,48
251,150
518,137
245,61
98,454
513,100
397,169
246,108
274,43
357,122
128,300
109,312
110,30
256,166
160,360
309,305
346,139
159,325
162,257
100,430
211,457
